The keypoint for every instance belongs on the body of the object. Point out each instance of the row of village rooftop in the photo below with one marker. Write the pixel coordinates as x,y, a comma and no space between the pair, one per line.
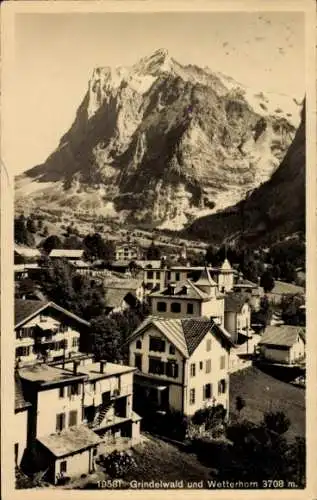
69,408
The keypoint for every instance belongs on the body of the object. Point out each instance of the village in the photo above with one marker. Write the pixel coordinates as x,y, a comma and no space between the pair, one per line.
192,339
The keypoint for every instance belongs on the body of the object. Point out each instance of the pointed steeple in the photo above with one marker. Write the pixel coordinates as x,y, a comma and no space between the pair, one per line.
205,283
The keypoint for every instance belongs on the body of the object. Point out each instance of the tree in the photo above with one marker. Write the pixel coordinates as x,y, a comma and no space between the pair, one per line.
30,225
153,252
267,281
26,287
276,422
97,248
21,233
73,242
51,243
105,339
240,404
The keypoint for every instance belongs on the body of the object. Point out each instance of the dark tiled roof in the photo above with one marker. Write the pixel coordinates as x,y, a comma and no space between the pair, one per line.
194,331
26,308
234,302
19,403
186,334
284,335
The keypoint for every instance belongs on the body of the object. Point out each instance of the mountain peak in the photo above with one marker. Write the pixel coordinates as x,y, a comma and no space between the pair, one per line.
159,60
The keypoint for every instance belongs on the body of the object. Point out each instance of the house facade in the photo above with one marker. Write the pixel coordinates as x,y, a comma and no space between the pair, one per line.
283,344
182,364
78,410
44,330
127,252
237,319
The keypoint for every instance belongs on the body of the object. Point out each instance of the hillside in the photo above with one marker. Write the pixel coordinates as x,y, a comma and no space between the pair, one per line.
276,208
160,143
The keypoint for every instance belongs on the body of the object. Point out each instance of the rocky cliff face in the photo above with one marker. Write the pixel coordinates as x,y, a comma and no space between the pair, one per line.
274,210
160,143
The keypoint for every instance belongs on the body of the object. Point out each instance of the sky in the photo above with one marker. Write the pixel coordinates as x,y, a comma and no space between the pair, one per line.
55,55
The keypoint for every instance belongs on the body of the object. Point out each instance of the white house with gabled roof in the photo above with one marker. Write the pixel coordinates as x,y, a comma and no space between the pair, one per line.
182,364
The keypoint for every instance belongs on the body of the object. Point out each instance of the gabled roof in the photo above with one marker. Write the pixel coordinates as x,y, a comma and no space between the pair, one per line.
191,292
19,402
114,297
234,302
27,251
186,334
284,335
27,309
129,284
65,252
243,283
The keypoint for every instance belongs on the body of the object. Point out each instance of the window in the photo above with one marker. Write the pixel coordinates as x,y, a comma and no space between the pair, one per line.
73,390
62,344
22,351
72,418
222,362
60,422
192,370
177,277
156,366
222,386
208,365
158,275
201,365
208,346
172,349
168,277
190,308
75,342
138,361
175,307
63,467
24,333
150,275
192,396
138,344
207,391
157,344
61,392
161,306
172,369
62,328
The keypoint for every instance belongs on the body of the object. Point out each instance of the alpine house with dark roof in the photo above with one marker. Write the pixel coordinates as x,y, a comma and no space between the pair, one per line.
44,330
182,364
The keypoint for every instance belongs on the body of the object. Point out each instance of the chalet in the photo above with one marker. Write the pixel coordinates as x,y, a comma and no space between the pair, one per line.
77,412
188,299
283,344
44,330
237,319
182,364
127,252
68,254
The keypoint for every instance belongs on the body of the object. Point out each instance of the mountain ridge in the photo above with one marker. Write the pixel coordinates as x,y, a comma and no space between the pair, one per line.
157,143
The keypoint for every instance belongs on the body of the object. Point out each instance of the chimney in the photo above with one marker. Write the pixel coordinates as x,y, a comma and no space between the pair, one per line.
75,367
102,366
